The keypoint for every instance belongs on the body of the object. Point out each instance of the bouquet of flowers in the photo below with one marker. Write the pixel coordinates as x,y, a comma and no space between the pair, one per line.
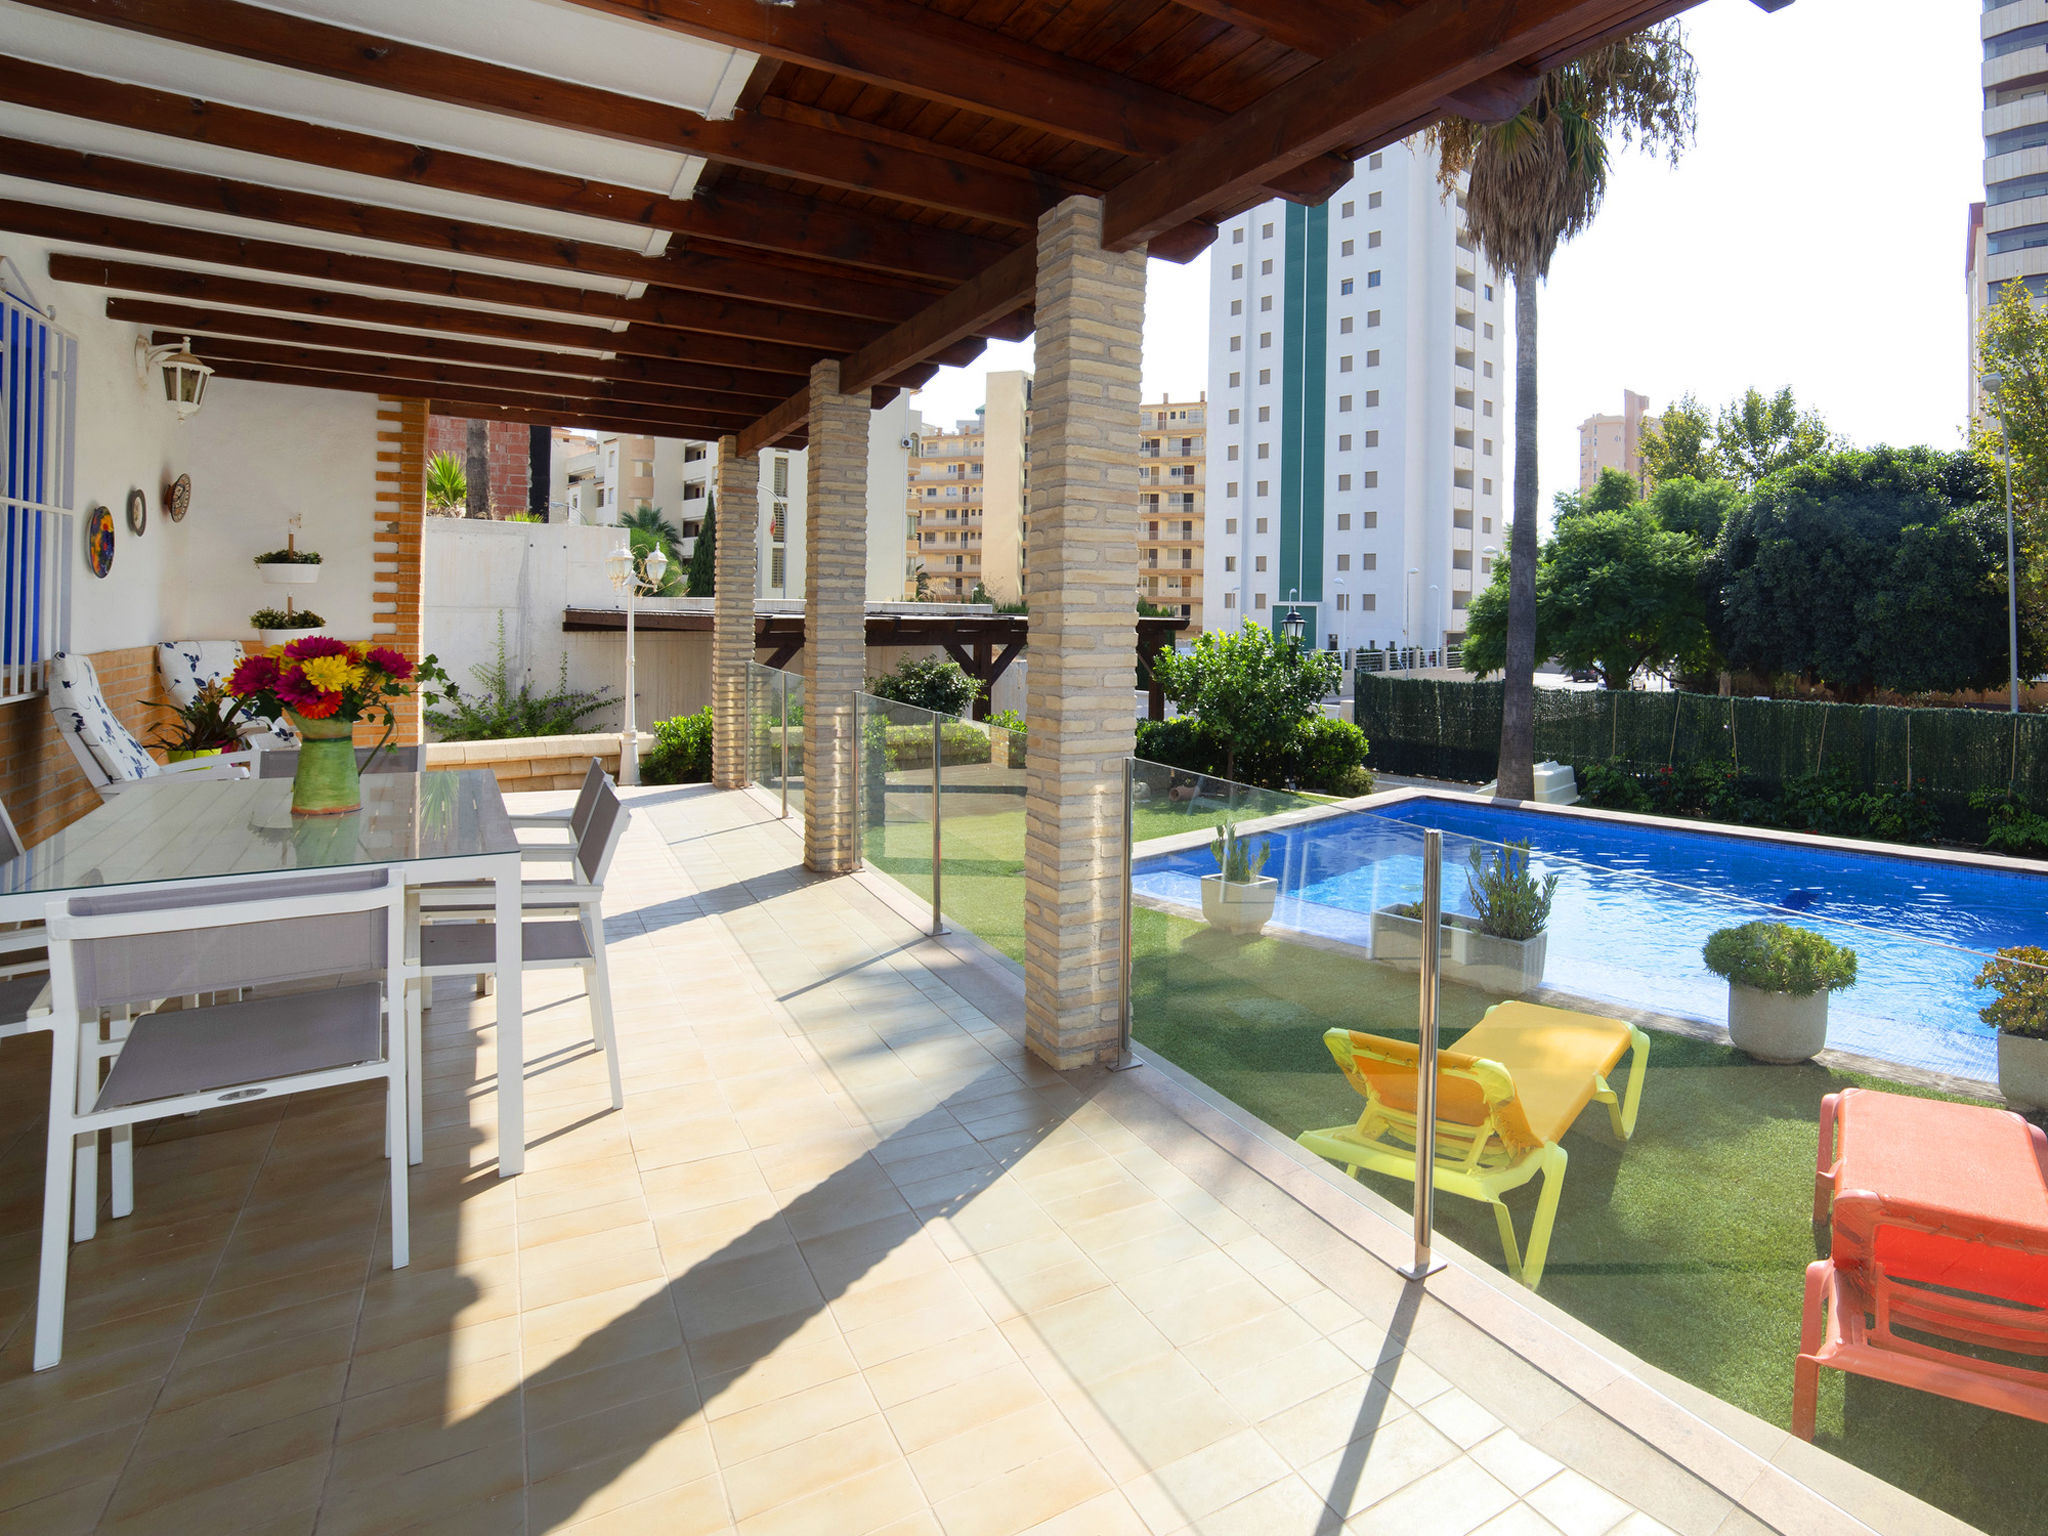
322,679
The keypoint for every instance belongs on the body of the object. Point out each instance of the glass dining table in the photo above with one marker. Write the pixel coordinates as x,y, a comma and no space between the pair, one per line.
425,827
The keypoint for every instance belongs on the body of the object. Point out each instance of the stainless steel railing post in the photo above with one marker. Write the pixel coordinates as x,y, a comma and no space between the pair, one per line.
1124,1059
1425,1057
938,841
782,693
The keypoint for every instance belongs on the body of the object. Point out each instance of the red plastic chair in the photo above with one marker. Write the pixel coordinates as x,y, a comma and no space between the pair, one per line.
1940,1228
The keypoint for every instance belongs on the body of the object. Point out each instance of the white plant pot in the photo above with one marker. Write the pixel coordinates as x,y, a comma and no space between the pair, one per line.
1397,940
2023,1071
282,575
1777,1026
277,637
1504,967
1236,908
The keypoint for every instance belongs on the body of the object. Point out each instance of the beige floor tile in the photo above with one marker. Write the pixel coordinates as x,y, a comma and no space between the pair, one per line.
1454,1500
1220,1474
873,1501
1517,1520
990,1449
1375,1467
1576,1505
753,1432
1024,1496
689,1509
798,1471
638,1468
1283,1508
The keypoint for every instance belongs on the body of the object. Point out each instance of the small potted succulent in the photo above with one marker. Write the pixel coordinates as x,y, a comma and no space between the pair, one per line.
2020,1015
1238,899
1779,976
1502,949
279,626
209,725
290,566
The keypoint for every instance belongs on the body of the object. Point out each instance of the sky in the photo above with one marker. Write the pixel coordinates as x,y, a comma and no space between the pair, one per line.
1814,236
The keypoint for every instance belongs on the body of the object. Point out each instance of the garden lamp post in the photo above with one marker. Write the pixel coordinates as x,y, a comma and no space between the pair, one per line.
1293,626
1995,383
632,577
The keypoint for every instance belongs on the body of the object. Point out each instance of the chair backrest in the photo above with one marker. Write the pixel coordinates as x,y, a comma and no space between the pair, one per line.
1476,1105
105,748
599,839
594,779
127,947
11,846
186,666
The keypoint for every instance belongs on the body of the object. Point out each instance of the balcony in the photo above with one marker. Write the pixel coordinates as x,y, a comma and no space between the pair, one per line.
1463,339
1463,302
1461,458
1461,537
1462,419
1462,378
1461,497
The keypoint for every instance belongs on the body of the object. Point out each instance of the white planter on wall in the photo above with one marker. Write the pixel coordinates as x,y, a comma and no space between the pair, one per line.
281,574
1505,967
2023,1071
273,638
1777,1026
1238,908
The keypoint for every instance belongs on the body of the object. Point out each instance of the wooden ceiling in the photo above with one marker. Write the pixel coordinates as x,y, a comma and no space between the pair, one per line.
653,215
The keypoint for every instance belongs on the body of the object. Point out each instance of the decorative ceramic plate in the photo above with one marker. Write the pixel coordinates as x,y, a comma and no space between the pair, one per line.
138,512
178,498
99,540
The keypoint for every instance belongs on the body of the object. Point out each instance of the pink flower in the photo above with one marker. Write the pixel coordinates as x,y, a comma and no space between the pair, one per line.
315,645
392,663
296,692
255,674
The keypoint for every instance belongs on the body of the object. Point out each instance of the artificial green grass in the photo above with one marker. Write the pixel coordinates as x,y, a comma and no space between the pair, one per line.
1686,1245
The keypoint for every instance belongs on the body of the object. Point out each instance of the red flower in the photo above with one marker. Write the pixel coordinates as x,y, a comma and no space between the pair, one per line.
315,645
392,663
255,674
295,692
318,705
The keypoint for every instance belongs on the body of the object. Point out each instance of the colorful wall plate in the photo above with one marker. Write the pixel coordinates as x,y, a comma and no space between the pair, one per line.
99,540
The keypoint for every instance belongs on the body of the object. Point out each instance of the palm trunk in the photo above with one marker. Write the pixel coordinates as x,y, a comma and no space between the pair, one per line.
477,468
1518,704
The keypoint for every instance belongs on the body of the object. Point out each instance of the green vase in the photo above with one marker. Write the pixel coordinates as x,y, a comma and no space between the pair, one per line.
326,783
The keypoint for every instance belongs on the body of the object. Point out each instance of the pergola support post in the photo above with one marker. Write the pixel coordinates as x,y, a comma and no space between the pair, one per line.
835,617
738,488
1082,584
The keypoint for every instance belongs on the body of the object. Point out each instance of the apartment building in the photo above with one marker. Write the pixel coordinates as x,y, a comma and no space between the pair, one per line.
968,499
2009,233
1172,455
1616,442
1358,412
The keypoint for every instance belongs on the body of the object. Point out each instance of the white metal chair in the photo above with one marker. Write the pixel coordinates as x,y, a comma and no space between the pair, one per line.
112,759
568,823
458,938
186,666
112,952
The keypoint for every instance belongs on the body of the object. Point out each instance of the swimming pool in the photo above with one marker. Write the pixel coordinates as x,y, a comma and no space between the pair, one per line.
1635,902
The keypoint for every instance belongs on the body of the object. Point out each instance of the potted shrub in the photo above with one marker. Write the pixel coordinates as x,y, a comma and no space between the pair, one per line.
289,567
1502,948
1397,935
1779,977
209,725
280,626
2020,1015
1238,899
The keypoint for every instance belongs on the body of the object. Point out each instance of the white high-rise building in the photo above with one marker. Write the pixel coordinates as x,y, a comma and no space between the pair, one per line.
1358,413
2009,229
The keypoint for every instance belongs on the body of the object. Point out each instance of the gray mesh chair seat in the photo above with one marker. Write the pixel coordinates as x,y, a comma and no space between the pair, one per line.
394,759
21,999
467,949
119,951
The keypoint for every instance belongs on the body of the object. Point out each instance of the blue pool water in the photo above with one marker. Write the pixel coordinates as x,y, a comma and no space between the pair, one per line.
1635,903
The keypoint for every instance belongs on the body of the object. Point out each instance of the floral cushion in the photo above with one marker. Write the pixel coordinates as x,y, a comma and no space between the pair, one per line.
81,711
186,666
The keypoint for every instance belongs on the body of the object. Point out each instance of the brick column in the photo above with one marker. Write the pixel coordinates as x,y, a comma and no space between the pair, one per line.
737,494
398,519
835,617
1082,581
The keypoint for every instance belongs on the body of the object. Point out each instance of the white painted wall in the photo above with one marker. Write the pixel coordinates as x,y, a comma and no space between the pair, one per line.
258,454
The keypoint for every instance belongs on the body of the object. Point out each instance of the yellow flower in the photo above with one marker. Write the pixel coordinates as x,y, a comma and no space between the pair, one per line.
332,672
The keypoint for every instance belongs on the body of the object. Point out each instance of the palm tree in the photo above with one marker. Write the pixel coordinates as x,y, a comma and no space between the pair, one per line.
646,528
1533,182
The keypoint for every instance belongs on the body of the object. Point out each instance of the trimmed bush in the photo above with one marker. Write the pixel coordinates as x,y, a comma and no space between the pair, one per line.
2021,976
1780,957
1324,756
682,751
928,682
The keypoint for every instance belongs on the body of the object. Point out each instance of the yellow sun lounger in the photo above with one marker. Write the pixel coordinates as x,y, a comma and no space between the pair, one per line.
1507,1091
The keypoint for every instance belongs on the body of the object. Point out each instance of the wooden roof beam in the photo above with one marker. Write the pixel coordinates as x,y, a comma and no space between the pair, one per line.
754,216
1354,100
755,140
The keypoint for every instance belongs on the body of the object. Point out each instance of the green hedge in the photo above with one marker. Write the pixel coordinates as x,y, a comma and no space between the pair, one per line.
1451,730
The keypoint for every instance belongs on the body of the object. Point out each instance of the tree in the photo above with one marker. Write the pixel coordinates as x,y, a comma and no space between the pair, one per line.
646,528
1678,445
1616,591
447,486
1533,182
1248,687
1697,507
1755,437
704,558
2012,366
1610,493
476,469
1866,570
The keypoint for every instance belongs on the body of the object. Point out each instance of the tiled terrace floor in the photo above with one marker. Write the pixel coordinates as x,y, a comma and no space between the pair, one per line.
848,1262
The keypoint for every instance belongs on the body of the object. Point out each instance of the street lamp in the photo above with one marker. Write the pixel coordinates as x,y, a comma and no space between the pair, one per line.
1293,626
1994,381
633,577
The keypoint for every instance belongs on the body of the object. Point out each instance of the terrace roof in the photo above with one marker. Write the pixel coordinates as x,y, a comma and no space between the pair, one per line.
652,216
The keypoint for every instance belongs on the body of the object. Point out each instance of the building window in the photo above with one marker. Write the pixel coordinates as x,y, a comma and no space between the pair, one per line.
1487,442
1372,279
1230,599
1486,487
1372,318
1343,562
1460,599
1237,343
1488,370
1346,248
1344,364
1343,402
778,568
1230,523
1230,562
1487,328
1369,519
1258,562
1344,326
1343,598
1372,479
1489,409
1266,267
1265,413
1262,449
1237,235
1344,288
1237,306
1343,482
1486,525
1347,210
1236,379
1344,443
781,475
1237,271
1230,490
1265,338
1372,398
1343,522
1372,240
1265,303
1367,602
1258,600
1375,162
1233,415
1265,375
1372,438
1259,526
36,482
1230,453
1489,293
1372,359
1368,562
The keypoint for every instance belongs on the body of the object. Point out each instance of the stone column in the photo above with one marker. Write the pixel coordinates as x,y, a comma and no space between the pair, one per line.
737,505
835,617
1082,586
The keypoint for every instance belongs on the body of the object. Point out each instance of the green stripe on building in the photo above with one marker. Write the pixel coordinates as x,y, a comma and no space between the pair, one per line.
1304,401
